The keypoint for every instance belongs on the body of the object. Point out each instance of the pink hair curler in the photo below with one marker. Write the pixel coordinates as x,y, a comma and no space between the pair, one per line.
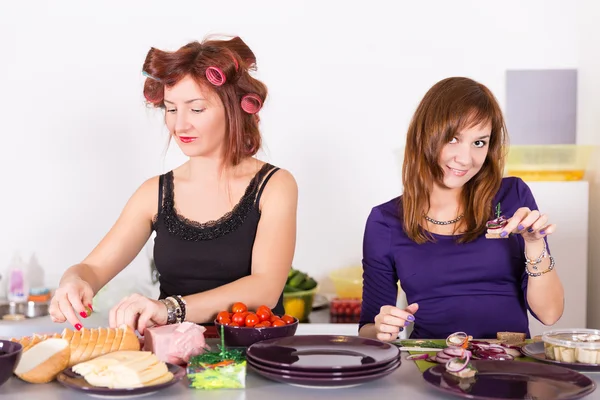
215,76
251,103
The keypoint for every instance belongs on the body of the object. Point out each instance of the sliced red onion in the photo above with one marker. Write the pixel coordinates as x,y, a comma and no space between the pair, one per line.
423,356
454,364
454,351
456,339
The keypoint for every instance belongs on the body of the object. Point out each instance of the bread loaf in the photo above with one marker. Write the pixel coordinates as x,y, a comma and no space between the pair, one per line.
43,361
511,337
87,344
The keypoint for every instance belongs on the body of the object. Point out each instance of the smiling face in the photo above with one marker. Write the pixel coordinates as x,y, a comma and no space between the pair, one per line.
195,117
462,158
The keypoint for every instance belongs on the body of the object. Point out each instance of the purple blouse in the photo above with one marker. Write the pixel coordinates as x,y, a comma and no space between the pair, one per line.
479,287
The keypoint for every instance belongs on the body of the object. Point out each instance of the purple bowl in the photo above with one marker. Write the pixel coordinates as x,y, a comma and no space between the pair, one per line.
10,354
238,336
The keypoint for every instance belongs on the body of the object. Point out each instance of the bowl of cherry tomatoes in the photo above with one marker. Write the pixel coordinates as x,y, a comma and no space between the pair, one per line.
243,327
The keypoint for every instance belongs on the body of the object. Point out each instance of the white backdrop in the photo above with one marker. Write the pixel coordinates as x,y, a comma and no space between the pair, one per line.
344,78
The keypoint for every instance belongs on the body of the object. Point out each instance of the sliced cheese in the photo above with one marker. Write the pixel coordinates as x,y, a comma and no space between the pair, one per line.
124,369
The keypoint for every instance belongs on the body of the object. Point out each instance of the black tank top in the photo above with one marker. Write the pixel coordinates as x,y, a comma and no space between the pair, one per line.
193,257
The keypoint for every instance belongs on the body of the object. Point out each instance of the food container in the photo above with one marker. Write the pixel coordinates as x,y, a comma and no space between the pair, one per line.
299,304
348,282
243,336
227,374
344,311
573,345
548,162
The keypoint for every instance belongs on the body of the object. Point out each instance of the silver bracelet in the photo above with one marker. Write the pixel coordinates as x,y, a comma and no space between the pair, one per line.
171,311
536,274
538,260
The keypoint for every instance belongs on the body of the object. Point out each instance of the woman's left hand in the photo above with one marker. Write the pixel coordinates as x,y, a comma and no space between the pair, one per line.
532,225
138,312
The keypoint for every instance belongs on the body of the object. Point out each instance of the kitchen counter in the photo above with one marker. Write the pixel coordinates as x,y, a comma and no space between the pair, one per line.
405,383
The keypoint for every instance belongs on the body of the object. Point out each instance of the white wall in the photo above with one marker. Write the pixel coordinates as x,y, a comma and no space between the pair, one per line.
588,132
344,79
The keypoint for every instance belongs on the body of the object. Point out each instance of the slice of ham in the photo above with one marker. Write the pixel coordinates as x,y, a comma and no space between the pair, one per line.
175,343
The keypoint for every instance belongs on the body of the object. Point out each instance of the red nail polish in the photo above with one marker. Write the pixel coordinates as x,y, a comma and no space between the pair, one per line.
83,314
90,307
78,327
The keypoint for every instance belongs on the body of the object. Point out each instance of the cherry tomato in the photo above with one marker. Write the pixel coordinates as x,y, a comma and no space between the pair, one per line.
222,316
263,315
259,325
251,320
226,321
234,324
274,318
279,322
266,323
288,319
239,318
239,307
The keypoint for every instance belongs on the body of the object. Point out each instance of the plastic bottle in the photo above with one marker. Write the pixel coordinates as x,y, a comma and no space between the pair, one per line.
35,274
18,289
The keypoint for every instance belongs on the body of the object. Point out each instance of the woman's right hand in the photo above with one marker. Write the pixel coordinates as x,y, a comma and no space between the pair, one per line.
391,321
69,300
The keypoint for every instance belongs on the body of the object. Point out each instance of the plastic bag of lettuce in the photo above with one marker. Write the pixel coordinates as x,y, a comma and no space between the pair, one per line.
223,369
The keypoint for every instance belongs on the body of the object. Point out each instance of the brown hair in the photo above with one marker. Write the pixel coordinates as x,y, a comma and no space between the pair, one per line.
235,59
450,106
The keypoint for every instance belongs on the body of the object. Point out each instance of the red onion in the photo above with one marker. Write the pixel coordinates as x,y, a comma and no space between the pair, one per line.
455,364
457,339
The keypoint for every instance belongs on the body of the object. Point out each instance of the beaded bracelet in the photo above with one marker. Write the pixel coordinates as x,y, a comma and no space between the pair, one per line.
535,274
538,260
180,307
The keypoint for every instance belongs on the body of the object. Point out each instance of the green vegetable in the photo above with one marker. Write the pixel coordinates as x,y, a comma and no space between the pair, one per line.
420,343
288,289
308,284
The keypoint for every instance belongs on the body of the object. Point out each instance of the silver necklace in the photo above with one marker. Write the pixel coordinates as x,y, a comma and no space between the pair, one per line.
452,221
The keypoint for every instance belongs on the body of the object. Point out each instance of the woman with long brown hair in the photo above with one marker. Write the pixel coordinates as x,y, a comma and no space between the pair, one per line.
468,246
225,221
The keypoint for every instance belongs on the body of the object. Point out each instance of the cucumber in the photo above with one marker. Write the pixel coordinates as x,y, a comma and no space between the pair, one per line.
293,272
289,289
297,279
308,284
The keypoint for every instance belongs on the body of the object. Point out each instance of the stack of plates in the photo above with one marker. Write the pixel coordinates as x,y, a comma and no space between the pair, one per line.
323,360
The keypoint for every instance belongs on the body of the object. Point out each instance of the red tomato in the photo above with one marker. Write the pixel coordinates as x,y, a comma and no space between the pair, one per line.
263,315
225,321
251,320
239,318
222,316
278,323
274,318
260,325
239,307
288,319
234,324
266,323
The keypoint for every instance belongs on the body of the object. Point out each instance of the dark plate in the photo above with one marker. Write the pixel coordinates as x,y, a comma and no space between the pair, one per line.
536,350
513,380
322,374
323,353
327,382
74,381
